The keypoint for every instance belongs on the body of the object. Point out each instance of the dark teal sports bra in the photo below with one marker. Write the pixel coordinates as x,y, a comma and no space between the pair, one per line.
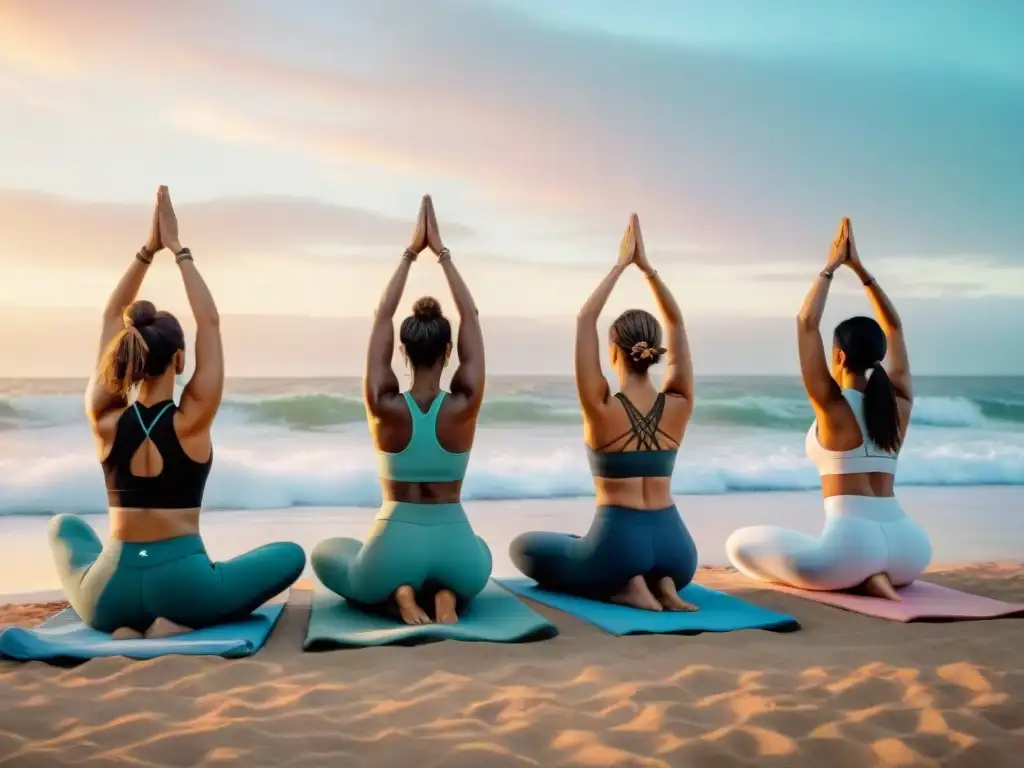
649,459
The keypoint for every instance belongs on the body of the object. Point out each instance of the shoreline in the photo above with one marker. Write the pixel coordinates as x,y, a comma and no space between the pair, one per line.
966,525
901,489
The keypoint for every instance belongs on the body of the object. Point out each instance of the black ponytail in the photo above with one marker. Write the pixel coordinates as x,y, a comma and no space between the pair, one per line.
882,411
864,345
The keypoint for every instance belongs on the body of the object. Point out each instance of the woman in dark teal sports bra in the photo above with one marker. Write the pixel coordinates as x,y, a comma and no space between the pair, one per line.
421,557
153,576
638,551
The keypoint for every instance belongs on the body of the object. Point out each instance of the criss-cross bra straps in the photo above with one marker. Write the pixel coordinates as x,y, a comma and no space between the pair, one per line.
147,430
643,428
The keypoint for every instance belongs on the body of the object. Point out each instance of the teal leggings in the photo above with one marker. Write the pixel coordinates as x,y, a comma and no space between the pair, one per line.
131,585
424,546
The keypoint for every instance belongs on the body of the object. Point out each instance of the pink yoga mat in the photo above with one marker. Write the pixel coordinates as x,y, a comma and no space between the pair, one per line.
922,601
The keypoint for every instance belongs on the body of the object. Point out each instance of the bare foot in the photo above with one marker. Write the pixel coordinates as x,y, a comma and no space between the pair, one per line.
637,595
126,633
444,607
165,628
409,610
880,586
669,597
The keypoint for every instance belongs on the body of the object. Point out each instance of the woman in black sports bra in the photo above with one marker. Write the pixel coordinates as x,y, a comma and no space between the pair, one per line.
153,577
638,551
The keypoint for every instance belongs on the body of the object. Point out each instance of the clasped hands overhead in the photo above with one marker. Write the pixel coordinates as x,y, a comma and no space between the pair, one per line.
427,233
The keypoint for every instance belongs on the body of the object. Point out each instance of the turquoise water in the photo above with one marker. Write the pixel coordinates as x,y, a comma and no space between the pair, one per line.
304,442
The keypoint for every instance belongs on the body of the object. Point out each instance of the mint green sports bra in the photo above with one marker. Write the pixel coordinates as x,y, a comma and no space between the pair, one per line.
423,460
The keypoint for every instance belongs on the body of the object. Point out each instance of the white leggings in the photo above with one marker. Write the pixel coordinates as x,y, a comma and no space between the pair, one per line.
863,535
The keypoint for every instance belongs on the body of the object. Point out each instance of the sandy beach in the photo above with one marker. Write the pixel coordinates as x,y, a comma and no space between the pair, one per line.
846,690
966,525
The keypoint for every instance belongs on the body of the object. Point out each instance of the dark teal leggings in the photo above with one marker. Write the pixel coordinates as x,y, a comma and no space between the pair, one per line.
131,585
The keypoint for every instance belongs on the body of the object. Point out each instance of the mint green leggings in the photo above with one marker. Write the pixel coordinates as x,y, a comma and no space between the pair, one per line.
420,545
130,585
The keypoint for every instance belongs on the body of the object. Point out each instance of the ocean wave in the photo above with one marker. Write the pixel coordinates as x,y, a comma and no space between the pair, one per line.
284,475
318,411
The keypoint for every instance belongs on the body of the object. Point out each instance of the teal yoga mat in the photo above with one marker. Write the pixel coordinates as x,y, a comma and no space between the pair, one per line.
718,612
64,636
494,616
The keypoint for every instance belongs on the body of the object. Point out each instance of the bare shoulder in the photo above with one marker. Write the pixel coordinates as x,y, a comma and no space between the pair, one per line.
390,424
456,422
105,426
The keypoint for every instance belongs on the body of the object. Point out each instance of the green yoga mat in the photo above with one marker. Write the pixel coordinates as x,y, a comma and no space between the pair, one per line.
494,616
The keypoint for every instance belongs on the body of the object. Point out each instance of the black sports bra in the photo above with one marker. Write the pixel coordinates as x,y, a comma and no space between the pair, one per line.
181,482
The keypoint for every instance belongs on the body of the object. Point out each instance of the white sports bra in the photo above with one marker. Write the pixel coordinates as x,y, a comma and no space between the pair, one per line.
867,457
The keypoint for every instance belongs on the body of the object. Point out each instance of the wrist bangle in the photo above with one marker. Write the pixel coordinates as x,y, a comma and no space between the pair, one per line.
826,274
144,256
868,281
652,274
409,255
444,255
183,255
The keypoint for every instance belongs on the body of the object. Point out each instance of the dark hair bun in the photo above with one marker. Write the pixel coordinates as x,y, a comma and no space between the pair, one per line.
140,314
427,308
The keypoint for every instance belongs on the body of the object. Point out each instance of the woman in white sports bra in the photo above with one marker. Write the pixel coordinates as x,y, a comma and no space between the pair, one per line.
868,544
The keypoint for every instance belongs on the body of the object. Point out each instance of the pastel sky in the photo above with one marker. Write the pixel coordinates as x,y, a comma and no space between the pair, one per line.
297,139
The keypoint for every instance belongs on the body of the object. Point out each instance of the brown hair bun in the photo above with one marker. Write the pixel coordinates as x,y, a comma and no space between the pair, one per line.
426,309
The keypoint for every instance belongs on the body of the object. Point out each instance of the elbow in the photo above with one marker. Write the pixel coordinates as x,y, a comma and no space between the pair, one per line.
586,317
807,323
209,319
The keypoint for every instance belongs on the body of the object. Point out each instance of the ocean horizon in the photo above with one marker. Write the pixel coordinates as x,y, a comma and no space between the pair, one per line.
303,442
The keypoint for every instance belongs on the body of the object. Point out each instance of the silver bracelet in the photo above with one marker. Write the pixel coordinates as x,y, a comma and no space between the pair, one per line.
652,274
183,255
443,256
144,256
409,255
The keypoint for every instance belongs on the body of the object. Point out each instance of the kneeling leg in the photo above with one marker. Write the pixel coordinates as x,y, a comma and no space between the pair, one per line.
332,560
561,562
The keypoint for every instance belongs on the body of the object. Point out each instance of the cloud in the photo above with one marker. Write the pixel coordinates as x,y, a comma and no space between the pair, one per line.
752,153
38,226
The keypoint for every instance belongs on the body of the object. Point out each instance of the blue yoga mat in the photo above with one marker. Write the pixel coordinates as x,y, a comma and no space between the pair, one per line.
64,636
494,616
718,612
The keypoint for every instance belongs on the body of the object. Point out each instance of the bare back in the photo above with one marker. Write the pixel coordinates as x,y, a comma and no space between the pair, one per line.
838,430
391,428
609,428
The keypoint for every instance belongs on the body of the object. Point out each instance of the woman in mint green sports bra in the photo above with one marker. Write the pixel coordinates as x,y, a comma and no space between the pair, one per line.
421,557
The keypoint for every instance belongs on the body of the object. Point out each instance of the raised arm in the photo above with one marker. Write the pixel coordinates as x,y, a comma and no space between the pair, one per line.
469,379
591,385
201,397
822,389
679,371
897,359
380,385
99,399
